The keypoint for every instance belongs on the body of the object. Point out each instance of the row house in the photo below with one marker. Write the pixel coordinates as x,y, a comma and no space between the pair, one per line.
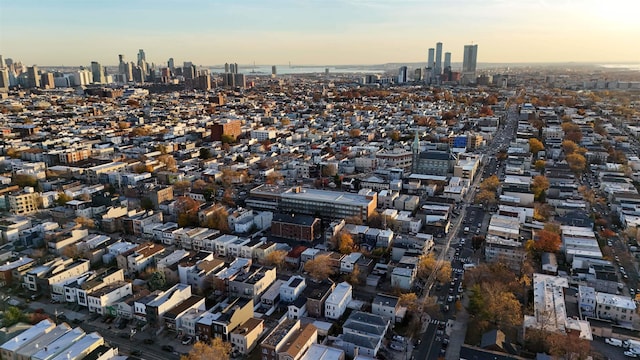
75,290
288,340
139,258
102,300
317,294
245,337
222,320
125,307
135,222
13,271
199,270
40,278
172,319
163,302
58,241
292,288
252,283
189,320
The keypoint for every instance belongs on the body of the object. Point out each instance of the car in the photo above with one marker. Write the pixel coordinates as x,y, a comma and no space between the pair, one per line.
167,348
148,341
398,338
136,352
449,298
630,353
187,340
614,342
396,346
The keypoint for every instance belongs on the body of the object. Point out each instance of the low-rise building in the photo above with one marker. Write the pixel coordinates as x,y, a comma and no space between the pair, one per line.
245,337
337,302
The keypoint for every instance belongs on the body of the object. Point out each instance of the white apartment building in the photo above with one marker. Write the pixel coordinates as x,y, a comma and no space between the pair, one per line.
337,302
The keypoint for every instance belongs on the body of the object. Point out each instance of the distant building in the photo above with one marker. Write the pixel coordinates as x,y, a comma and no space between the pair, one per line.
296,227
232,128
469,63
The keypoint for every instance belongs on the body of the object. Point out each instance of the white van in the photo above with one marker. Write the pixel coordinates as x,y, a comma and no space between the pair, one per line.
614,342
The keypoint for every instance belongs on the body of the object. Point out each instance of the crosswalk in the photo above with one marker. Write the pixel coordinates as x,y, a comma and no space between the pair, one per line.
436,321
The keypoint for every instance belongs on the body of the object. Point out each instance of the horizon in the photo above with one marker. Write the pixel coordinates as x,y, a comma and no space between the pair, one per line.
313,32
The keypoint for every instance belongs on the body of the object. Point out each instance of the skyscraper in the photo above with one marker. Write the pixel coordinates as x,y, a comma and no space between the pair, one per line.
97,72
1,62
33,78
171,64
447,60
402,75
469,63
438,67
4,79
431,57
141,56
273,71
226,67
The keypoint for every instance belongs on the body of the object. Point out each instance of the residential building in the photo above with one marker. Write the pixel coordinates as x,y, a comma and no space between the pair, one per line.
245,337
386,306
9,350
290,290
24,202
253,283
163,302
295,227
337,302
223,319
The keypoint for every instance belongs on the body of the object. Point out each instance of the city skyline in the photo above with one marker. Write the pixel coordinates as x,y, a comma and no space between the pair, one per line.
73,33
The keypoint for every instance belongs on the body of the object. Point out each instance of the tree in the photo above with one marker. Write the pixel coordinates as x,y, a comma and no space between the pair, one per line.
23,180
572,132
427,264
569,147
274,178
13,153
547,241
490,184
409,300
157,281
217,350
227,139
394,135
576,162
486,111
540,165
344,242
71,251
187,211
320,267
535,146
329,170
63,198
539,185
12,316
146,203
354,133
205,153
275,258
485,197
219,220
168,161
181,187
85,222
541,212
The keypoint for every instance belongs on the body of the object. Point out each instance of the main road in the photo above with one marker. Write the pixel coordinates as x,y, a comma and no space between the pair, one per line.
429,348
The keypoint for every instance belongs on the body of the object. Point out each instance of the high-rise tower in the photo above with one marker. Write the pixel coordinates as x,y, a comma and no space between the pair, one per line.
447,60
438,67
141,56
469,63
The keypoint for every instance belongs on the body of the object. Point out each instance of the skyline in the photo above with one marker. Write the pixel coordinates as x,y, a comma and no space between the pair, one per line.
337,33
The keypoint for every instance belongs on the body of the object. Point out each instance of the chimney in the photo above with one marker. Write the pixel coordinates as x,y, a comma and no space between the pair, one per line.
356,350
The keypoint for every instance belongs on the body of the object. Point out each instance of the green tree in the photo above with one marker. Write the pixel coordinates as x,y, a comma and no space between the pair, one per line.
205,153
146,203
12,316
157,281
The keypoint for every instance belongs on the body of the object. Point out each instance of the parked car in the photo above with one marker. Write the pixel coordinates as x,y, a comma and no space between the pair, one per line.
396,346
614,342
187,340
167,348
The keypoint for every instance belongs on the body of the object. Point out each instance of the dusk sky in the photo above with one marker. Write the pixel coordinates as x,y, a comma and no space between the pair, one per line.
317,32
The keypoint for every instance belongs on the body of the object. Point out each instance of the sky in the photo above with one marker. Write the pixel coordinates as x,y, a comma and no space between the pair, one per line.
318,32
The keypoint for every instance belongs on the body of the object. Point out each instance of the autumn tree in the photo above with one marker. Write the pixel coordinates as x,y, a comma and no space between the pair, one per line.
572,132
275,258
63,198
320,267
23,180
181,187
218,349
85,222
409,300
542,211
186,210
168,161
576,162
547,241
343,242
394,135
354,133
485,197
219,220
535,146
274,178
490,184
539,185
540,165
427,264
569,147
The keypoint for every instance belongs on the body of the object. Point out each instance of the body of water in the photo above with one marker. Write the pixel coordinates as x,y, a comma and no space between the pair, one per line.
287,70
634,67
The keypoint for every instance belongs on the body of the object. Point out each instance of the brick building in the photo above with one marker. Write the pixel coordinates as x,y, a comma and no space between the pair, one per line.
296,227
